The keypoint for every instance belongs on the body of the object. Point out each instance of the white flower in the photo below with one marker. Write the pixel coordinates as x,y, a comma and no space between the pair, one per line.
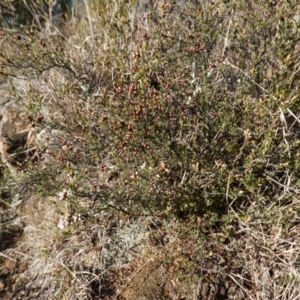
62,223
135,175
64,194
247,134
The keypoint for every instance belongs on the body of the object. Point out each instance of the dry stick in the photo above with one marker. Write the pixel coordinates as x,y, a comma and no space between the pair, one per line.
227,34
89,17
297,191
5,256
284,129
227,191
224,49
296,118
236,282
25,151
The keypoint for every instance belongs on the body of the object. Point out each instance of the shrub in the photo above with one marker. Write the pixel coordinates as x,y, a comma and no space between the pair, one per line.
169,112
186,112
